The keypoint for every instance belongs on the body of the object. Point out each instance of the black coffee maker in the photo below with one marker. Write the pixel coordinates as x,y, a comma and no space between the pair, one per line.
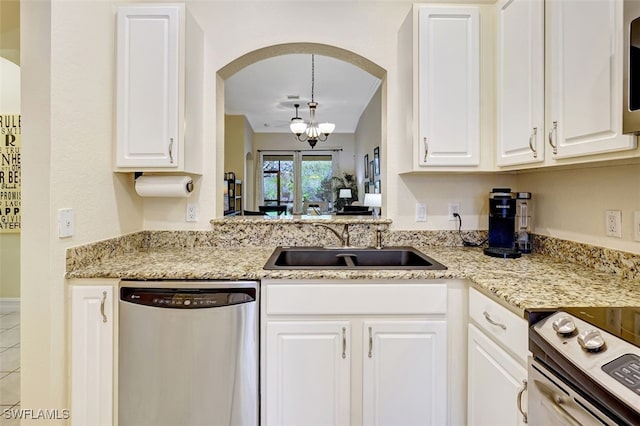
502,222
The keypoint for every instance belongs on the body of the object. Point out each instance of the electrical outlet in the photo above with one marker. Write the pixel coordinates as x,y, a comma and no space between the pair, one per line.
453,208
636,225
421,212
192,212
613,223
66,223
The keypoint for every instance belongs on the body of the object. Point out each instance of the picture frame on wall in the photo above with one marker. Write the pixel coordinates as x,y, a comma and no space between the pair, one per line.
371,170
366,187
376,160
377,187
366,166
372,187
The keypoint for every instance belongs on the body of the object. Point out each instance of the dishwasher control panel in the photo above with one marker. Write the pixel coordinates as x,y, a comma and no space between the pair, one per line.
187,299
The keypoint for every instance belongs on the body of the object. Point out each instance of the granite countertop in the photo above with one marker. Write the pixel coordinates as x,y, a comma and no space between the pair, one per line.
532,281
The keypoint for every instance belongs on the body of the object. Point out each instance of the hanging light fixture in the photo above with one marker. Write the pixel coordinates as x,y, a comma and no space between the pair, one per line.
312,132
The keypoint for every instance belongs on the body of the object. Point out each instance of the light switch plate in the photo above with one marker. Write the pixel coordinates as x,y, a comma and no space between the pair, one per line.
421,212
66,223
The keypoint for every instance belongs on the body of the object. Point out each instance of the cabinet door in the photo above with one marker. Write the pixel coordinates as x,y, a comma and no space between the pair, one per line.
449,75
520,82
495,383
148,86
585,43
307,373
405,373
92,355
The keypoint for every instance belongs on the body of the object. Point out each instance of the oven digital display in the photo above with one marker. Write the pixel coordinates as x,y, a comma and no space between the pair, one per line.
626,370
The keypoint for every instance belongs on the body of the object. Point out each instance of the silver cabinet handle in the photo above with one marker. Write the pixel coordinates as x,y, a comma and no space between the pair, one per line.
553,130
344,342
492,322
531,138
370,343
426,150
171,150
102,302
520,393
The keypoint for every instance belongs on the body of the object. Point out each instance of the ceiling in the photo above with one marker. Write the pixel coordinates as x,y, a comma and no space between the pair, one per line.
266,91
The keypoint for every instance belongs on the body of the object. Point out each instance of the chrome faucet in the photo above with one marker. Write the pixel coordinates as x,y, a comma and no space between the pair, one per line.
344,237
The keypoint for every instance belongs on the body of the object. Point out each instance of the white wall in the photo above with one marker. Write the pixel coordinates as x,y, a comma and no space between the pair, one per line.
269,23
287,141
9,87
571,204
67,108
368,135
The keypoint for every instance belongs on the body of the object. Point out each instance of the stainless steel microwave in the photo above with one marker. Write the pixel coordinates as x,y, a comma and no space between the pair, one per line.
631,77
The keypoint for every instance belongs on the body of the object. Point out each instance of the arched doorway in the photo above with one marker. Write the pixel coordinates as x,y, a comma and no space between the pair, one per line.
265,55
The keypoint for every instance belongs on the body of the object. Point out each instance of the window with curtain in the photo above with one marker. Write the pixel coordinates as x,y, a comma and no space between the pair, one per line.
295,178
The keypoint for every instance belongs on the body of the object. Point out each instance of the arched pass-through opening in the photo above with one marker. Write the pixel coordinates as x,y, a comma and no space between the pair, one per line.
258,55
309,48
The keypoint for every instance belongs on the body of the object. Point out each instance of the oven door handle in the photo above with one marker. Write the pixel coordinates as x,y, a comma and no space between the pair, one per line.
556,399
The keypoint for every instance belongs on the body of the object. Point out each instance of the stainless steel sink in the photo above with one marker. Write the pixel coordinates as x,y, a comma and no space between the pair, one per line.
400,257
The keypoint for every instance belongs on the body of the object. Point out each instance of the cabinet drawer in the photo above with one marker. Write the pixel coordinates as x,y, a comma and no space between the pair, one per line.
354,299
502,325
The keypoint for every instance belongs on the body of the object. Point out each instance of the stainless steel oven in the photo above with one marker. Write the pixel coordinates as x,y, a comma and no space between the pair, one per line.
631,77
585,367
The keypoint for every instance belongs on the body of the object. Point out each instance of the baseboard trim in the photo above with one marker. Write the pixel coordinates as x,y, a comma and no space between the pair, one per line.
9,303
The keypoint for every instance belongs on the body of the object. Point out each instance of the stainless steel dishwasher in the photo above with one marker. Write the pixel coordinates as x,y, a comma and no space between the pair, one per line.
188,353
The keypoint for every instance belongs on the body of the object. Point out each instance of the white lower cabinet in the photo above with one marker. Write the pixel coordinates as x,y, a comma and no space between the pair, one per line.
92,347
403,375
497,374
308,372
350,354
495,383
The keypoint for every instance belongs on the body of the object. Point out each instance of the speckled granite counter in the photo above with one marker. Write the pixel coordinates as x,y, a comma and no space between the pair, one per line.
532,281
561,273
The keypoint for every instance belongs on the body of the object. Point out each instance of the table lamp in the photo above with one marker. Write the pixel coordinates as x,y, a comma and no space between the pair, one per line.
375,202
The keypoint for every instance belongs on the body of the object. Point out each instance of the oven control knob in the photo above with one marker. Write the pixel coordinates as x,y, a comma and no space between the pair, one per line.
591,341
564,326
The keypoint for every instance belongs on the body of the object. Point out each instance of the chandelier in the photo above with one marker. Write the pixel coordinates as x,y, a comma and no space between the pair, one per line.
312,132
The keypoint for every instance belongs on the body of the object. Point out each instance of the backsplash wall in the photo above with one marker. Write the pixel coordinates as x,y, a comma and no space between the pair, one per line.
571,204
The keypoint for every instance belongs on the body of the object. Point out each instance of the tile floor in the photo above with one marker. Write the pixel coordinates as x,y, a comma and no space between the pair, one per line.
9,362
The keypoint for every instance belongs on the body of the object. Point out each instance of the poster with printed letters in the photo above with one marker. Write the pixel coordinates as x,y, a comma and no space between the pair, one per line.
10,176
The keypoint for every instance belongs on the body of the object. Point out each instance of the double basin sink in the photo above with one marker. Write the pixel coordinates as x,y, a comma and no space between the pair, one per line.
399,257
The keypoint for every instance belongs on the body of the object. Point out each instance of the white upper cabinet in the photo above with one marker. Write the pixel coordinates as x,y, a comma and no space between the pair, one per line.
448,86
152,60
520,82
585,56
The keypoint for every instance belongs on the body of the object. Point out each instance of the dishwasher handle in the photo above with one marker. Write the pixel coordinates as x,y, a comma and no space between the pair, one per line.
187,298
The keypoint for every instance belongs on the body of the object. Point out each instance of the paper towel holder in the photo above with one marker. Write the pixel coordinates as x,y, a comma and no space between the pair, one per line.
189,184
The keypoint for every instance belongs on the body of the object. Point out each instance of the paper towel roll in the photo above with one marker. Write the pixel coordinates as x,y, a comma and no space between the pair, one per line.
164,186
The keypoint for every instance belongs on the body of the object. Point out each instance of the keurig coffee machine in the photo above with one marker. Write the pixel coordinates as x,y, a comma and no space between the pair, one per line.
502,222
